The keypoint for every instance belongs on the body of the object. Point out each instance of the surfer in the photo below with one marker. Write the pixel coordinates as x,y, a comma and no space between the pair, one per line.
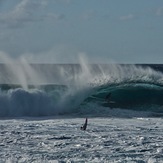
111,103
107,98
85,125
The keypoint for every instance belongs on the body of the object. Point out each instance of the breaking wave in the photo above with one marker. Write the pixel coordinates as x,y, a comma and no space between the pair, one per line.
135,91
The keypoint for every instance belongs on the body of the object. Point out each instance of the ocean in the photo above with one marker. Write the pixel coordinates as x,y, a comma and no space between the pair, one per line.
42,107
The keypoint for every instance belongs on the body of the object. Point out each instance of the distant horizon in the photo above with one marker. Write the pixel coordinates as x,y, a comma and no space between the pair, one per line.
77,63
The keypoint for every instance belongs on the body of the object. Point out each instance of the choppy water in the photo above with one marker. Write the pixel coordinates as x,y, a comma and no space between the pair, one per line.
61,140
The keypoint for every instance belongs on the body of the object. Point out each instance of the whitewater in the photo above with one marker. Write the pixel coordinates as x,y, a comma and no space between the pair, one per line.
42,107
61,140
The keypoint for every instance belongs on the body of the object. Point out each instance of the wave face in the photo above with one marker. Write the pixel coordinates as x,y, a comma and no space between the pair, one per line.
81,90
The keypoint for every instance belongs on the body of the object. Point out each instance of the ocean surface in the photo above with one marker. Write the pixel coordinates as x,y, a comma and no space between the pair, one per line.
42,107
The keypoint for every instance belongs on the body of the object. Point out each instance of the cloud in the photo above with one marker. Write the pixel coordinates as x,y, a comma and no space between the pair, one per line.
159,11
66,1
89,15
61,53
22,13
25,12
127,17
2,1
55,16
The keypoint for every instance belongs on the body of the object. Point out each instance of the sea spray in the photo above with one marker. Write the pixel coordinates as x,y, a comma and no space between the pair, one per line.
18,71
76,76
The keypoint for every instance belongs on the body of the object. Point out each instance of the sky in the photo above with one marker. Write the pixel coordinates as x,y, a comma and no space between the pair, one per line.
63,31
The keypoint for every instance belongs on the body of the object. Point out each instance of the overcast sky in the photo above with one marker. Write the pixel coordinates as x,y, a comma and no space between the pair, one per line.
59,31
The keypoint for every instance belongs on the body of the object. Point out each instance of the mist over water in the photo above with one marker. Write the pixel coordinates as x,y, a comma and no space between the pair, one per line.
20,71
17,71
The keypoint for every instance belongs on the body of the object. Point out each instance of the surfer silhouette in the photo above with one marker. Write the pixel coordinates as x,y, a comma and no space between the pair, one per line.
107,98
84,127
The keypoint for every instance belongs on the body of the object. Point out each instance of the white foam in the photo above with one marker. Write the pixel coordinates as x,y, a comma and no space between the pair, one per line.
61,140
